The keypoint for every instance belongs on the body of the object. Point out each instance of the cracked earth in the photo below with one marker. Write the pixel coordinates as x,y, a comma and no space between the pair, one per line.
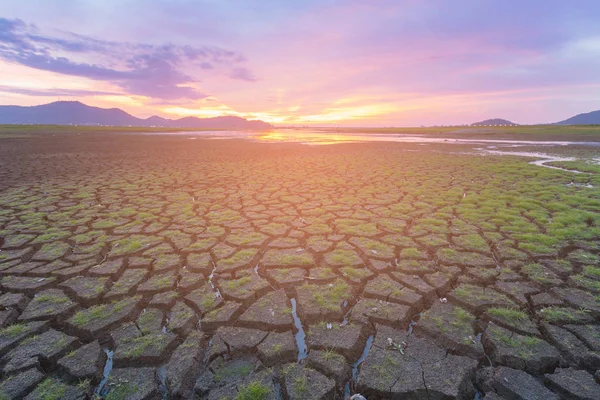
136,267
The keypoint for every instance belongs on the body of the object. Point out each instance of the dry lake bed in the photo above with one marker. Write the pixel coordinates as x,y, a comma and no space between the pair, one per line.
252,268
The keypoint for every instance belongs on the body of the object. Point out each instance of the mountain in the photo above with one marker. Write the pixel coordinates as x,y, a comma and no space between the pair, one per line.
591,118
494,122
77,113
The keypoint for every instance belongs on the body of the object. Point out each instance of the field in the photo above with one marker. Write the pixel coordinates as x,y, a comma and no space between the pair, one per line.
148,267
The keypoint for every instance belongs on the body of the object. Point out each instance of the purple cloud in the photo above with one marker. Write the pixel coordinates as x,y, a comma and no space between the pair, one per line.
54,92
242,74
139,69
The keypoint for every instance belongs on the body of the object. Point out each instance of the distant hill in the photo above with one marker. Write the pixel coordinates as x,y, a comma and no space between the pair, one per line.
494,122
77,113
591,118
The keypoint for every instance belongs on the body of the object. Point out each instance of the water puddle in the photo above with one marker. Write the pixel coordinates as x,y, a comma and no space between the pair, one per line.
161,375
278,390
411,326
347,314
345,320
211,276
325,137
300,335
347,390
210,281
581,185
543,158
542,163
101,389
362,358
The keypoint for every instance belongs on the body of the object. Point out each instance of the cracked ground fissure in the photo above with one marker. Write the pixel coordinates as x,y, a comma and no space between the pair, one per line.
190,243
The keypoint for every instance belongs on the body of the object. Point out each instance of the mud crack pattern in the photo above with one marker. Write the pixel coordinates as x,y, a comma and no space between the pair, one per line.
136,267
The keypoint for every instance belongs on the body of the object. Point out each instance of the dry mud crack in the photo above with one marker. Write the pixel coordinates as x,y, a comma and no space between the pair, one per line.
136,267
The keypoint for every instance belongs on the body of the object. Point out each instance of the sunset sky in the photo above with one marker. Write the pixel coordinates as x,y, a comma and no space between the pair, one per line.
314,62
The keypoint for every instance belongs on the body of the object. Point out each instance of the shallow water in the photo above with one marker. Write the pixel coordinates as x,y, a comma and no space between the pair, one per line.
544,158
161,375
315,137
300,335
582,185
362,358
354,377
101,389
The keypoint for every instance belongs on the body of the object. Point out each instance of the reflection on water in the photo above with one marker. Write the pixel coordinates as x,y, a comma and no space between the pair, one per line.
315,137
543,158
312,137
273,137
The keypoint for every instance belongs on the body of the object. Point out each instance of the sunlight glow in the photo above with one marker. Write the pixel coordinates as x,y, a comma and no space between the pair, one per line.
201,113
350,113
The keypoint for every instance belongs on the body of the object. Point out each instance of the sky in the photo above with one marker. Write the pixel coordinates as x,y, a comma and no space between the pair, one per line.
308,62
